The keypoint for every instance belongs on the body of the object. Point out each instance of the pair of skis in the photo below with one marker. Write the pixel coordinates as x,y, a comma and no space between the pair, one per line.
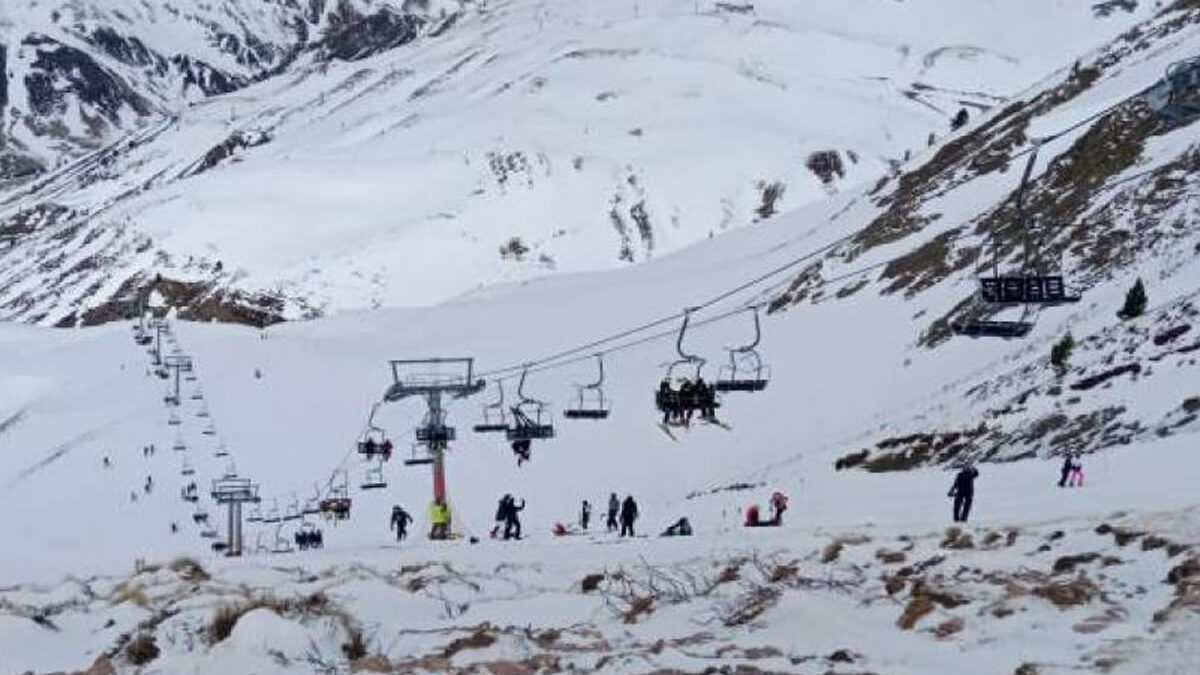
666,428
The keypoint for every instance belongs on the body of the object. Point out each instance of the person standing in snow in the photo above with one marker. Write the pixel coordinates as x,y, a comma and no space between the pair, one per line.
779,504
614,505
629,515
439,516
512,522
585,514
1076,479
963,492
1067,466
400,521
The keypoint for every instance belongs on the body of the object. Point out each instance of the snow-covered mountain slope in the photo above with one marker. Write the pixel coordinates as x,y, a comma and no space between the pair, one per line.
512,138
1080,586
76,75
1049,580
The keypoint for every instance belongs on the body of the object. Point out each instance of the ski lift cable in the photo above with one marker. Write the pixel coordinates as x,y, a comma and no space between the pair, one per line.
572,355
755,281
537,365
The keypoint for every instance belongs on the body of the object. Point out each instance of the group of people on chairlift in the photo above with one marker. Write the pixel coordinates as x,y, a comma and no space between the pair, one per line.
678,405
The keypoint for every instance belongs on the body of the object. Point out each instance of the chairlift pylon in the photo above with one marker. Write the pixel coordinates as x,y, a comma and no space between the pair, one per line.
1029,288
495,420
592,404
745,371
528,416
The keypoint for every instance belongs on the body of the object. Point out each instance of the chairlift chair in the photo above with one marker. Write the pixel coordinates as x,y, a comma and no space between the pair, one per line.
1029,288
419,457
208,533
1176,98
219,546
292,512
745,371
255,515
527,416
209,430
197,395
672,402
282,543
187,469
312,506
173,419
179,445
336,504
200,516
494,418
203,413
592,404
272,514
221,450
373,480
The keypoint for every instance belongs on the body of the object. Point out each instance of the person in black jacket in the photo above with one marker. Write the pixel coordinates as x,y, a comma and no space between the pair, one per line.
512,522
629,515
963,492
400,521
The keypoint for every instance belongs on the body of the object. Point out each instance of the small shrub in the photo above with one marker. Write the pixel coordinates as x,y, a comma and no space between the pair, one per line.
142,649
223,622
1060,353
189,570
833,551
640,606
591,582
356,647
514,248
1135,301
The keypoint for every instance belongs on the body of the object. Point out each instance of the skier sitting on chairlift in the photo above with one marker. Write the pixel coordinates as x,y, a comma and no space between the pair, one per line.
667,401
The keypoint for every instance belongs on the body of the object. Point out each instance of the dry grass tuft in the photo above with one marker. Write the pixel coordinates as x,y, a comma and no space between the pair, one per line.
142,649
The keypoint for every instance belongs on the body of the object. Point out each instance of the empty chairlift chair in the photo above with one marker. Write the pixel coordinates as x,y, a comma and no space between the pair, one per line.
591,402
745,371
373,478
1176,98
494,418
529,417
1027,289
